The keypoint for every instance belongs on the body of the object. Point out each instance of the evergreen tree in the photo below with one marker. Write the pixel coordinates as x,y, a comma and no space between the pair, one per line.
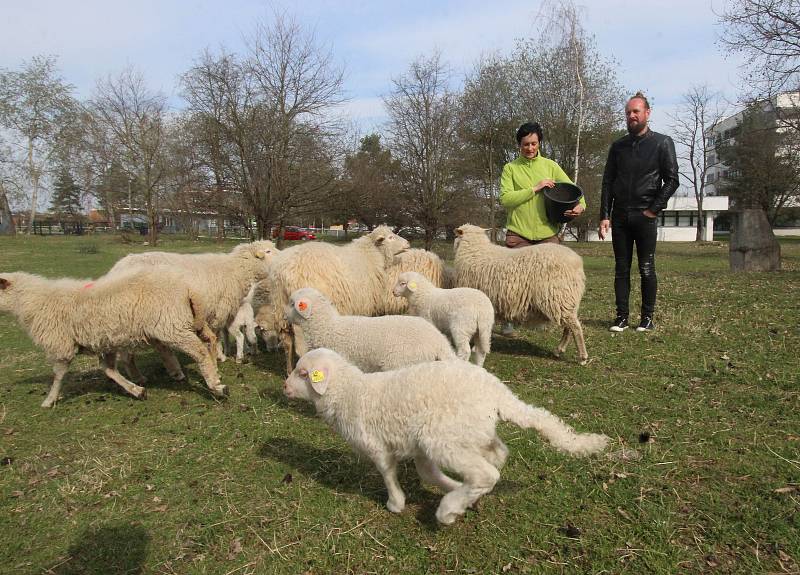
66,202
762,162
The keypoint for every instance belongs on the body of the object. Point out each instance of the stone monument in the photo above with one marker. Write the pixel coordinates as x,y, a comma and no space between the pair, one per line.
753,245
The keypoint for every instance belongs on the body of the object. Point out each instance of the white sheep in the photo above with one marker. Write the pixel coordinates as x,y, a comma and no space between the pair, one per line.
372,343
223,280
536,284
243,325
414,260
353,276
68,316
441,414
463,313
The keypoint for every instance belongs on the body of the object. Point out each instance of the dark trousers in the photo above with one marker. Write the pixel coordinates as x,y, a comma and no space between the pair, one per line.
629,228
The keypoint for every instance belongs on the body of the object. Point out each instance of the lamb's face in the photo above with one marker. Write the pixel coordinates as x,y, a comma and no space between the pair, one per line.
311,377
406,284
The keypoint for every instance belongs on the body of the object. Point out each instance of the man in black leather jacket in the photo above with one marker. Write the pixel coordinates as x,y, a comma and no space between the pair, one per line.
640,176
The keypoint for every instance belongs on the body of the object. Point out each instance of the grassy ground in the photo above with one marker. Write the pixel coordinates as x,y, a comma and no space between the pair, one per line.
703,474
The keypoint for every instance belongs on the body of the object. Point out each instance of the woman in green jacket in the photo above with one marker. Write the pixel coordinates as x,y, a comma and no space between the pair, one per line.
520,191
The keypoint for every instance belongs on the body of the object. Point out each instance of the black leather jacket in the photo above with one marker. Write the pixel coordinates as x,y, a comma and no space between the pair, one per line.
641,173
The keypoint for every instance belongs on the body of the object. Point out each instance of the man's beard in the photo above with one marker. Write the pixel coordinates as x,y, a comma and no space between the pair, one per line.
635,128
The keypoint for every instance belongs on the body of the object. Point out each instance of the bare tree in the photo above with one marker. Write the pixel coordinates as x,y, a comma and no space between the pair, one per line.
487,119
134,117
423,114
36,104
767,34
699,111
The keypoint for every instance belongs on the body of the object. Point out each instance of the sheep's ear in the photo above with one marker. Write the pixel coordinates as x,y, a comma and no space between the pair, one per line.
303,307
459,232
319,380
379,240
4,283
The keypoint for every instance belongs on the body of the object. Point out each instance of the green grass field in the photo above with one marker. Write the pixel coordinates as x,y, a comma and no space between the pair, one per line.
703,474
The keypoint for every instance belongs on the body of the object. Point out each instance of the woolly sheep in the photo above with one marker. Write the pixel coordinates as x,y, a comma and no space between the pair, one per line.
67,316
223,280
414,260
352,276
539,283
372,343
441,414
463,313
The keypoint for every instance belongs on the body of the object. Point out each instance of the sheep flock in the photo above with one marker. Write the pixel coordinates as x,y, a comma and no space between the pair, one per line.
384,334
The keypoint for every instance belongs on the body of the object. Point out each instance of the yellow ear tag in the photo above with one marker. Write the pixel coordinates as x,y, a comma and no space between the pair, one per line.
412,285
317,376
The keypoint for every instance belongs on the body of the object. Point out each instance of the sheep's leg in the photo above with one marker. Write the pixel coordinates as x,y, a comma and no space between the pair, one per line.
128,360
220,350
496,453
387,465
461,341
194,348
483,343
562,345
109,363
238,337
169,360
429,472
479,477
60,367
288,347
575,327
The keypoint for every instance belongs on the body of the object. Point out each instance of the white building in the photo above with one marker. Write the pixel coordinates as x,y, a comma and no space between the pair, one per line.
678,221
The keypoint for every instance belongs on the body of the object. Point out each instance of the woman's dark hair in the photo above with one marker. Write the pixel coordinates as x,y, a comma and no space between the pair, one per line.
527,129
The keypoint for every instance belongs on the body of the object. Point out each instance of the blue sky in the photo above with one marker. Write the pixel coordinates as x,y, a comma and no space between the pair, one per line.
661,47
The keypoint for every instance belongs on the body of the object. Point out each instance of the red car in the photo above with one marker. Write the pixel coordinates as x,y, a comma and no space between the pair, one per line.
294,233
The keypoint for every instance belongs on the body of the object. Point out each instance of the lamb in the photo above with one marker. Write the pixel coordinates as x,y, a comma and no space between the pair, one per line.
539,283
414,260
223,280
441,414
463,313
371,343
244,320
67,316
353,276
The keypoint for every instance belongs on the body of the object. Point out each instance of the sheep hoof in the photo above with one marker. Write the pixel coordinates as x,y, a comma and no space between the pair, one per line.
395,507
142,394
48,403
220,391
446,518
178,376
239,360
584,361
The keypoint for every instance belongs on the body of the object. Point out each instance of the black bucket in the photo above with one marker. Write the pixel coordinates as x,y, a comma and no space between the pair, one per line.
559,199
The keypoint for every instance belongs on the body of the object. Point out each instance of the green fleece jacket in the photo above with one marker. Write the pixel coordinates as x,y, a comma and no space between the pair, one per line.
526,212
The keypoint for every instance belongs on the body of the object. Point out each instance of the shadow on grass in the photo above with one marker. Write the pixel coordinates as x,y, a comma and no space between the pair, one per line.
517,345
80,381
105,550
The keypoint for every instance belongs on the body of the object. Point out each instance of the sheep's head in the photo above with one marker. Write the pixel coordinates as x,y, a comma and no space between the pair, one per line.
468,230
313,374
304,304
388,243
408,283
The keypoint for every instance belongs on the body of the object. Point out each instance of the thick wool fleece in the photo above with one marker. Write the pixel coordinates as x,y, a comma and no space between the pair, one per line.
535,284
223,280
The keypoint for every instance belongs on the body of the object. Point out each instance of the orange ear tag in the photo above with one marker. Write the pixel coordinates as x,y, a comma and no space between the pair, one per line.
317,376
302,306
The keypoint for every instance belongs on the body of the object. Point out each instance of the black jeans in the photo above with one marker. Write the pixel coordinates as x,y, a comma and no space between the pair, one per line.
631,227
